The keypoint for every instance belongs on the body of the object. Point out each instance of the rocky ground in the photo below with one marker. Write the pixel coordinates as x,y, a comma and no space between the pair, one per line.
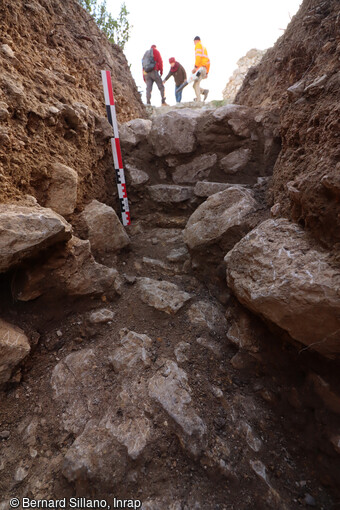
144,377
157,396
190,360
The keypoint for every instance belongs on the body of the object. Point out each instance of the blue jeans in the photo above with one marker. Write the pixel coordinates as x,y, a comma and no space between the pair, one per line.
178,94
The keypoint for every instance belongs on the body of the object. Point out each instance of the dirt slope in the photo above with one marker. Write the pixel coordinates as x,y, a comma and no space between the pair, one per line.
51,96
264,445
305,58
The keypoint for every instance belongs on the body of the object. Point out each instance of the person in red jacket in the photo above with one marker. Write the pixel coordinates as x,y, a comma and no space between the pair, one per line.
155,76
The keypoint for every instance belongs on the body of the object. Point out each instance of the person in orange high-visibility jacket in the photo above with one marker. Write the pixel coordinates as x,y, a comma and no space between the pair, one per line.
201,69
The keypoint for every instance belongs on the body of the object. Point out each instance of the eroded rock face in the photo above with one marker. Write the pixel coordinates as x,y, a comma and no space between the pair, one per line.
218,215
105,232
70,270
26,231
276,272
14,346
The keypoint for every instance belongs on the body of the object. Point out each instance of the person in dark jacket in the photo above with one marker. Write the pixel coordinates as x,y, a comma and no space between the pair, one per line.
155,76
179,74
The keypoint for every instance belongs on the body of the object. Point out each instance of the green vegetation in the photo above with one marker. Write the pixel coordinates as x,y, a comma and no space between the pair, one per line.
116,30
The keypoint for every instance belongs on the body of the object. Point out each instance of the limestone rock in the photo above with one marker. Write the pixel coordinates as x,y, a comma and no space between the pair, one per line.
69,378
198,168
134,347
14,346
162,295
135,131
219,214
105,231
70,270
170,388
251,58
136,177
276,272
26,231
296,90
101,316
206,314
62,191
213,346
174,132
335,440
244,332
205,188
235,161
180,351
95,458
170,194
178,254
134,433
7,50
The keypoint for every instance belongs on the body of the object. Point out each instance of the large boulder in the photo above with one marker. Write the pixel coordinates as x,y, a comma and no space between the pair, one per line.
62,190
174,132
223,217
26,231
105,231
277,273
14,346
71,270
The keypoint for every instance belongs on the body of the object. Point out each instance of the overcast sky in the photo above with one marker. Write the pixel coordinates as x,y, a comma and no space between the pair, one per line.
228,29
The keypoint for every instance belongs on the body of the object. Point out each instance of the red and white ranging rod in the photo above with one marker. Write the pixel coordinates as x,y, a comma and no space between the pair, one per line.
117,155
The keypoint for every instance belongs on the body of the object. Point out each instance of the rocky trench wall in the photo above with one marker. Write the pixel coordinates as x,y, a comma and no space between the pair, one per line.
52,108
305,90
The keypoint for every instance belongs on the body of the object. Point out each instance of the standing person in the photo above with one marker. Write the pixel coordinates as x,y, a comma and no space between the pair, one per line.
202,66
179,74
152,71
